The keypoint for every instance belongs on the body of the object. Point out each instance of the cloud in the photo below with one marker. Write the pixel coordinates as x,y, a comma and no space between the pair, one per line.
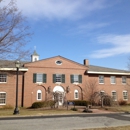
91,26
59,9
120,45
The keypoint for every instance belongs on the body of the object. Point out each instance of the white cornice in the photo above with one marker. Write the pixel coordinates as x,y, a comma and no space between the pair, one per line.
116,73
13,69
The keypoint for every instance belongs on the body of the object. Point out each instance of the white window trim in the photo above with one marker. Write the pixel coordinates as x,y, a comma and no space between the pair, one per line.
59,75
37,78
76,91
112,95
4,82
125,80
114,79
123,95
56,62
99,79
5,99
39,91
102,91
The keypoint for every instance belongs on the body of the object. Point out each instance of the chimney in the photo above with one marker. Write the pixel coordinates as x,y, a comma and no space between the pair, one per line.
86,62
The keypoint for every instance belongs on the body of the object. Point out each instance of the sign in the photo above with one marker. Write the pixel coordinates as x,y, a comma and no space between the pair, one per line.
70,103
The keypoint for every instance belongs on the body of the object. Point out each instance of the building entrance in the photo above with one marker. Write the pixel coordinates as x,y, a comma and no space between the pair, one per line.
58,95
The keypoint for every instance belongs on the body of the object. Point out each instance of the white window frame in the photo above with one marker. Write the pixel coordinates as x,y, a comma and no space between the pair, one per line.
113,79
76,94
4,98
58,78
101,79
39,92
3,77
125,95
124,78
114,97
39,77
76,78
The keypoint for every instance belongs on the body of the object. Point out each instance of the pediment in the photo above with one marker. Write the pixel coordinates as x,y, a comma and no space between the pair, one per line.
56,62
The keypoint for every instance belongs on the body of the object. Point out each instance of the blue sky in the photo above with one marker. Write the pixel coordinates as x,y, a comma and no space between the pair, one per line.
98,30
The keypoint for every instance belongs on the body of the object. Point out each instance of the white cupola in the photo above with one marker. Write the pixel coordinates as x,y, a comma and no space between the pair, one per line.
34,57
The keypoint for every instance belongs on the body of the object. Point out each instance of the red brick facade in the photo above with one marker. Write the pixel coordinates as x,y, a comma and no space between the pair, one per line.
28,89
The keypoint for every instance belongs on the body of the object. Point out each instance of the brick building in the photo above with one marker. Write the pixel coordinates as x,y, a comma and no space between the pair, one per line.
39,78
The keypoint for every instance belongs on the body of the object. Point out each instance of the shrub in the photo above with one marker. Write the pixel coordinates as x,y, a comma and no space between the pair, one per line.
41,104
79,102
122,102
74,109
37,105
49,103
107,101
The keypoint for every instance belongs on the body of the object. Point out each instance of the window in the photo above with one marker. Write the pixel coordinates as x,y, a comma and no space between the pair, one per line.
124,79
58,62
76,78
39,95
76,94
3,78
101,79
2,98
125,95
39,78
35,59
113,79
114,96
58,78
102,93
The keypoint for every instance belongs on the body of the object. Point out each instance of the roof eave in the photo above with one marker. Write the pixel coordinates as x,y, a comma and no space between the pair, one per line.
116,73
13,69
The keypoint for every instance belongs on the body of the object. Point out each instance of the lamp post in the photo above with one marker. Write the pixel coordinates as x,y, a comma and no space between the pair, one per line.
16,110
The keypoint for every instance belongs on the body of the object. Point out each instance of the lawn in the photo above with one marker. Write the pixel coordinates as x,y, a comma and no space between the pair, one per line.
118,108
35,112
23,111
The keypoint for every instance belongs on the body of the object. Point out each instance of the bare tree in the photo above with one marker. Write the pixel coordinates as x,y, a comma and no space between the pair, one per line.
90,89
14,32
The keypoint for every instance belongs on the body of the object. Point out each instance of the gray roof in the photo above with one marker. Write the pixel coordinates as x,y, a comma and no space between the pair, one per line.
9,64
35,53
105,69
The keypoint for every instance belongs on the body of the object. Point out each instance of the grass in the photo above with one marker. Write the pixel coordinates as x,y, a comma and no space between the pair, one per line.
35,112
118,108
110,128
29,112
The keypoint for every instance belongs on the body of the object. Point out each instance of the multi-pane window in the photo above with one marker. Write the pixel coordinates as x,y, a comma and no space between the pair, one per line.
113,79
2,98
3,78
76,78
58,78
39,95
101,79
76,94
39,78
114,95
124,79
125,95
